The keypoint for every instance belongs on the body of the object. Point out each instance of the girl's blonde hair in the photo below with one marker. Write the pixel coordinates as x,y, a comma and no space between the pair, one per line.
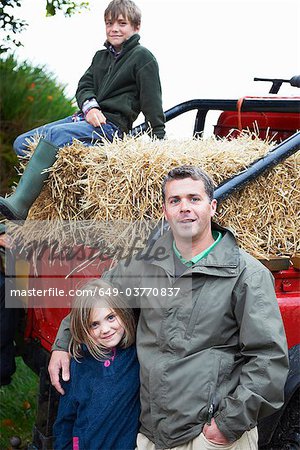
98,293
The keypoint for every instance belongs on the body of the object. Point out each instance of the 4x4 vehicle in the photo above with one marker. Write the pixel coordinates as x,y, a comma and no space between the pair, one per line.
274,116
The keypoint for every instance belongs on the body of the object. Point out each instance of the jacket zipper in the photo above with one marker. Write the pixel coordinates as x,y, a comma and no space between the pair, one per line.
108,77
211,410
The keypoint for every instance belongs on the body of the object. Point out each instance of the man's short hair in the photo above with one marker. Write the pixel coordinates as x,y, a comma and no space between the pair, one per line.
179,173
127,8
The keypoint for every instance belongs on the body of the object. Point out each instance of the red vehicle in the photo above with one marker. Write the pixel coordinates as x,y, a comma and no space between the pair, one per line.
280,118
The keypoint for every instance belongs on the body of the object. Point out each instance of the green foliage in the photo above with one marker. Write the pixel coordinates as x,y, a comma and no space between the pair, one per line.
12,25
66,6
18,405
29,97
8,174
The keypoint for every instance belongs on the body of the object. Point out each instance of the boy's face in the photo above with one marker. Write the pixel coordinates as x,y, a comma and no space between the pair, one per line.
119,31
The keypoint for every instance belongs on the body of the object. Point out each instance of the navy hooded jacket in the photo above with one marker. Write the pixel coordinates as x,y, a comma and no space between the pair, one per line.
100,409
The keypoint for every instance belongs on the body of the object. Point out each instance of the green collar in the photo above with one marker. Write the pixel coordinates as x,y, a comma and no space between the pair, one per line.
217,235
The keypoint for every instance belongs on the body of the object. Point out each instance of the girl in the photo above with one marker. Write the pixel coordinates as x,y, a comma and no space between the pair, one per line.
100,408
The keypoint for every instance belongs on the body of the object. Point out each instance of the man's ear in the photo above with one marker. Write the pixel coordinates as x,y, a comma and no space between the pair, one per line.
213,205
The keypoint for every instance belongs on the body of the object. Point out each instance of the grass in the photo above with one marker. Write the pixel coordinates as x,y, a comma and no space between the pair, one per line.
18,406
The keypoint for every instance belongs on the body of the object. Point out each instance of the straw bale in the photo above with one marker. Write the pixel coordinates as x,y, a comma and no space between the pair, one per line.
121,182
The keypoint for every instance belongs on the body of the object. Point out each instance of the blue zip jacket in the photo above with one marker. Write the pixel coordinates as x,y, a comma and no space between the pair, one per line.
100,409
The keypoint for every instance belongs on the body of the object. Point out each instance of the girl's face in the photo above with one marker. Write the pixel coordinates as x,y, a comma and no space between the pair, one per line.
106,327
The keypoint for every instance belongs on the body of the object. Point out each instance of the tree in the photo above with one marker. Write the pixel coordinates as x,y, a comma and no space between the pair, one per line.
12,25
30,96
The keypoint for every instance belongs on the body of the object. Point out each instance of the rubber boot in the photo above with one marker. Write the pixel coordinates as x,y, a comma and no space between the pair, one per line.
16,206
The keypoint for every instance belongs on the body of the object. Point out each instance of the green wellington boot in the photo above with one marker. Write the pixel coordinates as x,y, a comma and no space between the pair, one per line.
16,206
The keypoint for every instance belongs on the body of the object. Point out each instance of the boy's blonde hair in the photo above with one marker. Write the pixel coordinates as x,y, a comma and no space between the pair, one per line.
127,8
98,293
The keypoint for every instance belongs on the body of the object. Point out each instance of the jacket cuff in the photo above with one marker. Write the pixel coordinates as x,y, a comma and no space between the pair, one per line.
158,132
224,430
60,345
160,135
231,435
88,105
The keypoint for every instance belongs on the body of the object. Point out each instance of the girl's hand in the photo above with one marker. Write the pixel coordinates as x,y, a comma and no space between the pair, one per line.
213,434
95,117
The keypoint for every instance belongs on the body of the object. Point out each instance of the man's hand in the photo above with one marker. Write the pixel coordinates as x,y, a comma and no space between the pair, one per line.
213,434
60,360
95,117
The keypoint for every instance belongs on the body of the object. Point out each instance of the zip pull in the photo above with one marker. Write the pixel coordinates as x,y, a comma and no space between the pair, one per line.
210,413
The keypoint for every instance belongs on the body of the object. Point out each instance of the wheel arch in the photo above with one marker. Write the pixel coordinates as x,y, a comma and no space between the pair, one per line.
267,426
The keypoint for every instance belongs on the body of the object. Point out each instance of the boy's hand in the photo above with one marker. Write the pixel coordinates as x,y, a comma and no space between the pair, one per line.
95,117
213,434
60,360
6,241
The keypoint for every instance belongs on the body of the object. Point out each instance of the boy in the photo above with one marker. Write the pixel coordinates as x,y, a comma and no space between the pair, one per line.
122,81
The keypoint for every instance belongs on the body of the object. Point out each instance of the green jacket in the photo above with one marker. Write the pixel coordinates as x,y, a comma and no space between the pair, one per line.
125,86
216,347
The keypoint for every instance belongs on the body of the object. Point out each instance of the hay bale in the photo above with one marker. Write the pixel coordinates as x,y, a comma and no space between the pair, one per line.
122,182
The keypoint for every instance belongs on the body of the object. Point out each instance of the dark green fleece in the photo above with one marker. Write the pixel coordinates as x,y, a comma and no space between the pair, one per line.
125,86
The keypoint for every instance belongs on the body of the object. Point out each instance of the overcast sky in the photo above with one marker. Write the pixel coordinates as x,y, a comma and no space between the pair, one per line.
205,48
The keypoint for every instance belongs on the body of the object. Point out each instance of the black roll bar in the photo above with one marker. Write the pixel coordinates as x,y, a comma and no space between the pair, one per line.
203,106
238,181
271,159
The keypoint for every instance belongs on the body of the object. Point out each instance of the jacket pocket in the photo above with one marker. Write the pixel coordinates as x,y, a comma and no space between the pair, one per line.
219,385
213,400
201,301
211,406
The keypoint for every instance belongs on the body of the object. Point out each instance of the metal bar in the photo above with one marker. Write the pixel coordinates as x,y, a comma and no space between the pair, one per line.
199,122
258,105
234,184
274,89
271,159
282,80
276,83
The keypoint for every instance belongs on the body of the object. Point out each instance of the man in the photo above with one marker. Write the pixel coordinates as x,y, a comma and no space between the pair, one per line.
210,339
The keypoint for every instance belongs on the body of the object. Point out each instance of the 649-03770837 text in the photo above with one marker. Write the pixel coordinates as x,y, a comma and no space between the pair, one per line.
127,292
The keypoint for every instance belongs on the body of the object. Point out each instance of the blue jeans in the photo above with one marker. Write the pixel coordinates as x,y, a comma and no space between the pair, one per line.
62,132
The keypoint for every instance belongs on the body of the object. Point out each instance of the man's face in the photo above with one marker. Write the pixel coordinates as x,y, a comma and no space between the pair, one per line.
188,209
119,31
